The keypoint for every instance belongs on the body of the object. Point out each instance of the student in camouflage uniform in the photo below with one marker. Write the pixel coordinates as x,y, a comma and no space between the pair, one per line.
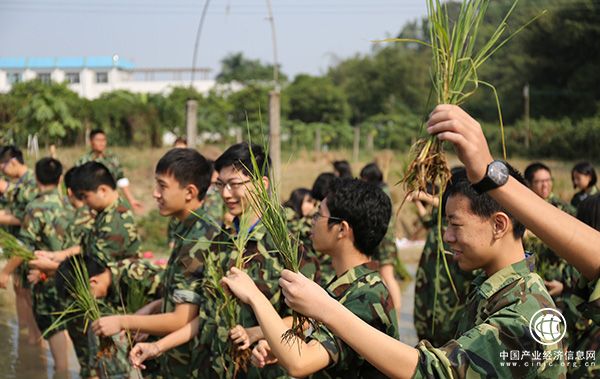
349,225
318,192
548,265
99,154
123,286
17,195
440,298
182,178
387,253
584,179
44,227
213,336
505,297
584,334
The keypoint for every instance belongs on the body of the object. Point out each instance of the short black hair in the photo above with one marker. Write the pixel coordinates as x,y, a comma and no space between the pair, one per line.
365,207
66,273
296,199
483,205
588,211
11,151
343,168
48,171
240,157
457,174
584,168
187,166
94,132
532,169
371,174
321,186
180,140
92,175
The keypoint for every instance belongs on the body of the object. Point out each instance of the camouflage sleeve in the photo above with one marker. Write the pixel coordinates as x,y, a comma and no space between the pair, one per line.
365,302
30,230
187,273
485,351
117,169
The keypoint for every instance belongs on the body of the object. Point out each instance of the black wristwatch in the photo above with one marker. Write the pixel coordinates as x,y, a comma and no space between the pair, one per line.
496,175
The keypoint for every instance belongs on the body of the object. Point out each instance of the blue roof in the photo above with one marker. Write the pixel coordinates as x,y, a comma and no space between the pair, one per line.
36,63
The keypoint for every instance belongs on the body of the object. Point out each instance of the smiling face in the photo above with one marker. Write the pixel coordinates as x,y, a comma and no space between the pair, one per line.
170,196
234,186
541,183
469,236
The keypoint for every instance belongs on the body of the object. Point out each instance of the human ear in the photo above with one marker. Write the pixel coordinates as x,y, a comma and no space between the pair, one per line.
191,192
501,225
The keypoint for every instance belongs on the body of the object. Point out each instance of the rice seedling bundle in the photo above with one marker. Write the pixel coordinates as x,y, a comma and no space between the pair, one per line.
11,247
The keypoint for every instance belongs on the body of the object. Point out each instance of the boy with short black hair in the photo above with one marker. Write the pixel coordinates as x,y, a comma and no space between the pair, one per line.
44,227
17,195
351,222
182,179
98,153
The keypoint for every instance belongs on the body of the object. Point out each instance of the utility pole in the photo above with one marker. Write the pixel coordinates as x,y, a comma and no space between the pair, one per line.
191,105
274,107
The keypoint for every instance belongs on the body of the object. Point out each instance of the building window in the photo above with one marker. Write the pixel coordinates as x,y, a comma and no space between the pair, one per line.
14,77
44,77
101,77
72,77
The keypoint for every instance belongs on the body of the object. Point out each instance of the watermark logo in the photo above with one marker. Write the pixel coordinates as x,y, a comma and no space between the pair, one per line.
548,326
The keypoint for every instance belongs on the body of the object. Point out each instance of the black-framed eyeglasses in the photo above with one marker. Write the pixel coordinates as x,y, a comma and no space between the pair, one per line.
317,215
231,186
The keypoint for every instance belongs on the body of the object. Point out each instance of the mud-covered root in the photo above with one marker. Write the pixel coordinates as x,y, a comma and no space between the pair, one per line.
296,333
429,166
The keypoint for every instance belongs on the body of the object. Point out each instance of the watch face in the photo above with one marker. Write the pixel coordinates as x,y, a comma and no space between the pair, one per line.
498,172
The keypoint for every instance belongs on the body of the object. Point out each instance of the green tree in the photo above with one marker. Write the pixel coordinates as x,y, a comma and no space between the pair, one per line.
316,99
45,110
235,67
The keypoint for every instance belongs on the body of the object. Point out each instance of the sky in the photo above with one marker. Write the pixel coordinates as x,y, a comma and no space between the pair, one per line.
311,34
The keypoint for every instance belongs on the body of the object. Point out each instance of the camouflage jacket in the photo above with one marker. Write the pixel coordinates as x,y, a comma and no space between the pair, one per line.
134,283
495,324
114,236
263,264
107,159
82,223
582,312
183,279
45,227
438,297
18,194
363,292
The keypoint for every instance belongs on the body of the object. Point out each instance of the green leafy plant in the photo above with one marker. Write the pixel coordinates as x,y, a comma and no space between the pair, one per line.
12,247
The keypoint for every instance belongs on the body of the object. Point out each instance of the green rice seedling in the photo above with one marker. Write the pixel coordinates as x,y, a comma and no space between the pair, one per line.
12,247
227,305
457,55
267,204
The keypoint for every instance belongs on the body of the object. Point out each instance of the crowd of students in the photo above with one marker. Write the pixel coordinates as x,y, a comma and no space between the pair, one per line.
177,328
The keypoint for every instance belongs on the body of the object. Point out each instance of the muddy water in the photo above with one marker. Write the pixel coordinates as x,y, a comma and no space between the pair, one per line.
19,360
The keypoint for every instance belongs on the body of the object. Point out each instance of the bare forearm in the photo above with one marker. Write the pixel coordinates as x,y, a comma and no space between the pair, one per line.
568,237
388,355
9,219
387,274
157,324
180,336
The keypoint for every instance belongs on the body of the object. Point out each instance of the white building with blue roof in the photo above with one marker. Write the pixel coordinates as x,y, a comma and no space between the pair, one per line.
90,77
